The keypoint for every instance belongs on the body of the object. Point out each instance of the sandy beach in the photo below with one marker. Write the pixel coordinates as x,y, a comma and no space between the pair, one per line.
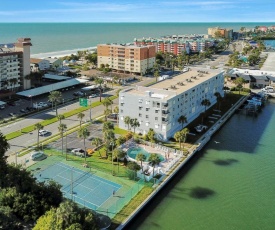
58,54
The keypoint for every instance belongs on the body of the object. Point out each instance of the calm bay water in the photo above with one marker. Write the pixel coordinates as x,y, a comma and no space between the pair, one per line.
229,185
50,37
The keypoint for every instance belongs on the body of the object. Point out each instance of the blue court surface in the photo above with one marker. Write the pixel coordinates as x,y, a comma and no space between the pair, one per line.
83,187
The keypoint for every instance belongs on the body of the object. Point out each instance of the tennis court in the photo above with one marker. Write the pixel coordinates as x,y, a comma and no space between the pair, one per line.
83,187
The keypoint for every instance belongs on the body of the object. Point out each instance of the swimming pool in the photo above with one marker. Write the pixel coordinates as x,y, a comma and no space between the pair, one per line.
132,153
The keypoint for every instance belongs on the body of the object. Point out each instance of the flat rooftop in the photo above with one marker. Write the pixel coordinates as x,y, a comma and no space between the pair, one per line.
125,45
177,84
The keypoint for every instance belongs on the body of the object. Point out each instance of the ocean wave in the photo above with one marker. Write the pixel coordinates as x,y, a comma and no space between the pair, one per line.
62,53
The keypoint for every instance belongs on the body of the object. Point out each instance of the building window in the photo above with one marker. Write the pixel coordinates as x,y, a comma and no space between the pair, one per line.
156,111
147,116
156,118
147,109
121,111
140,115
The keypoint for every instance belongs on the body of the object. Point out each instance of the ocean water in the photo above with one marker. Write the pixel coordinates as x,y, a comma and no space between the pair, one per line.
228,186
52,37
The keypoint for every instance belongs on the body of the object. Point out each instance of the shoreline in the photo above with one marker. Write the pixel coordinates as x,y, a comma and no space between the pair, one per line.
62,53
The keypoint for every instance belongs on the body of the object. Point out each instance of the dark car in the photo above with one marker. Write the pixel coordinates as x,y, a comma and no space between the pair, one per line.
12,103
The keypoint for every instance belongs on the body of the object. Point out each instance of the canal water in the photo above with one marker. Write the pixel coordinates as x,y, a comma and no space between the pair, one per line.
230,184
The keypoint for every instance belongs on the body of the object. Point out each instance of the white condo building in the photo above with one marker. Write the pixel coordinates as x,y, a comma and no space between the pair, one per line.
159,106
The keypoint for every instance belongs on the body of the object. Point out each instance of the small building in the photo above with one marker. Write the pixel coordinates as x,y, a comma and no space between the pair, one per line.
54,62
39,64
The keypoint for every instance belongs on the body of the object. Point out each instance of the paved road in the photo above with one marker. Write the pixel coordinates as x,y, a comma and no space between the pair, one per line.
30,139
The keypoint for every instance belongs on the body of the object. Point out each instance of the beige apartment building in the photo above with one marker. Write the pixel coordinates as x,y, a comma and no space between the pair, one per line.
225,33
14,66
126,58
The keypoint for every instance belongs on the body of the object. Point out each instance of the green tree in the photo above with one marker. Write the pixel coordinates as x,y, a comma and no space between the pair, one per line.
121,140
127,121
97,142
62,128
156,75
179,137
60,117
134,123
154,160
107,112
38,127
107,126
116,111
239,82
218,97
182,119
141,157
118,154
205,103
99,81
151,135
55,97
133,167
184,132
107,102
83,133
80,116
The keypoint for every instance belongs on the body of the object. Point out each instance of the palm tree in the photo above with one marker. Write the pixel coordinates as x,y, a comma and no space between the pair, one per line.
107,112
205,103
156,75
60,117
107,102
154,160
38,127
218,97
116,110
80,117
62,128
83,133
97,142
109,136
182,119
141,157
99,81
184,132
127,121
179,137
134,123
107,126
55,97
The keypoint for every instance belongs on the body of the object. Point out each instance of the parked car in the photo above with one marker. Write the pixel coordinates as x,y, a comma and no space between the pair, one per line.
11,103
2,106
22,110
200,128
43,132
78,93
90,151
36,155
12,114
43,104
93,95
78,152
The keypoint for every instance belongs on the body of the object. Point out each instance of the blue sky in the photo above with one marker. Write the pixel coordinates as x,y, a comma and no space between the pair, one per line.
137,11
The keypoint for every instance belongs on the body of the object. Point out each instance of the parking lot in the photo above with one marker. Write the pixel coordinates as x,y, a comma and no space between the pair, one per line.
74,142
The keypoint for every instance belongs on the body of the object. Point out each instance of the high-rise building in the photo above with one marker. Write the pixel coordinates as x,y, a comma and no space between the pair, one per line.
160,105
225,33
14,66
126,58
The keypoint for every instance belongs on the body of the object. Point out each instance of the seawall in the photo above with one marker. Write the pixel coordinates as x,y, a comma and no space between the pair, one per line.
192,151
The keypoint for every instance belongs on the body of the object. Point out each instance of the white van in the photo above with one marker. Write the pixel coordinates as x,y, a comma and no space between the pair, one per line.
268,89
36,155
